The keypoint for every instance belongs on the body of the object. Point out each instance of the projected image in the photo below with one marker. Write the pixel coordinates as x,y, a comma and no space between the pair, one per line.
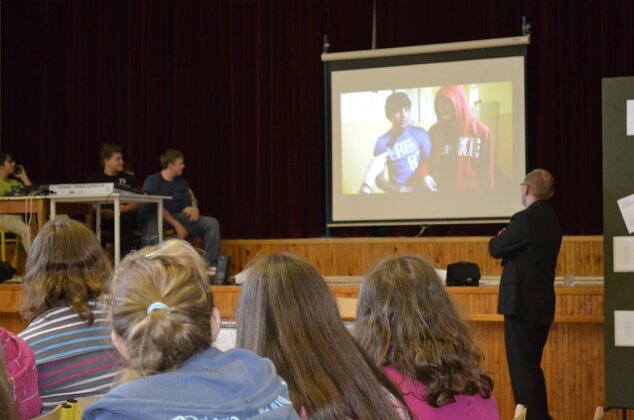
432,142
427,139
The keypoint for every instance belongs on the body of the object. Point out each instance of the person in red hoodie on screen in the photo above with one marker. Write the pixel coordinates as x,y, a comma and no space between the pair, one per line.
462,147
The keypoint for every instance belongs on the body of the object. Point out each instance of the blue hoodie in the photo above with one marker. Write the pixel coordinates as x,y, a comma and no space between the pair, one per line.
211,385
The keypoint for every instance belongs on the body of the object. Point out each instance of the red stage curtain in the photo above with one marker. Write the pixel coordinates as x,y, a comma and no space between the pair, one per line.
238,87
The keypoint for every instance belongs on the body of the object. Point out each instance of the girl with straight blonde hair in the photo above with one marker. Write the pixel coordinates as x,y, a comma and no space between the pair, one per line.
287,313
409,326
163,324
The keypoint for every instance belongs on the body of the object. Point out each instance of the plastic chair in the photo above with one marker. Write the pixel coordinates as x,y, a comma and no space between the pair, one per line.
520,412
4,240
56,413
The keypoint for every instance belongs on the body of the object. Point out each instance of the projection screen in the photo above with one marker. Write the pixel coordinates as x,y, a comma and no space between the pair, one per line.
427,134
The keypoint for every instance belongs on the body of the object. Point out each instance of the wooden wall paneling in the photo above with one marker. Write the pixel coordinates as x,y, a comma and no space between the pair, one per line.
489,336
12,322
580,255
9,304
226,300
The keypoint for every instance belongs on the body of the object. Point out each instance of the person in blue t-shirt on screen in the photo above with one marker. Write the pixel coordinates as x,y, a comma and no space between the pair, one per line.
401,153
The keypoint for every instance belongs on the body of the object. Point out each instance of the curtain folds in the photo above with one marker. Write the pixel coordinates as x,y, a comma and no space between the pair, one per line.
238,87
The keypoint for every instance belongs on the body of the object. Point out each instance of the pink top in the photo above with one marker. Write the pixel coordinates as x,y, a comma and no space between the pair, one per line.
22,374
472,407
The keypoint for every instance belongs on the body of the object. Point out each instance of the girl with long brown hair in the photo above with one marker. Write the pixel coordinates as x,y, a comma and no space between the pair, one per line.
288,314
409,326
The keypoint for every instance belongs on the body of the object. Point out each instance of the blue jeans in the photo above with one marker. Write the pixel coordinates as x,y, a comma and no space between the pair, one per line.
207,227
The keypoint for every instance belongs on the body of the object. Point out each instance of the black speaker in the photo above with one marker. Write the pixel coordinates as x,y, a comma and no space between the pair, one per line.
463,274
6,271
222,270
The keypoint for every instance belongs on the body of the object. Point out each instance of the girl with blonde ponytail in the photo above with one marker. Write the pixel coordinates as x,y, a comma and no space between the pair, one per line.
163,324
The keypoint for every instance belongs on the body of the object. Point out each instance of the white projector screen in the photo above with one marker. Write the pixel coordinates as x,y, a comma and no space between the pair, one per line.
433,136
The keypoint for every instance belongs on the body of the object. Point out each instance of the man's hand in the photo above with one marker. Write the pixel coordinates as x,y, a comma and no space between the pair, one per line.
20,173
129,207
107,213
192,213
181,232
431,183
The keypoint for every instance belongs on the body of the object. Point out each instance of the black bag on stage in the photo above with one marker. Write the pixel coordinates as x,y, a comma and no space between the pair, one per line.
6,271
463,274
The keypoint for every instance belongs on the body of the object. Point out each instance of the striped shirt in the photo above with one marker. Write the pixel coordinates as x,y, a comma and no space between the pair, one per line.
73,359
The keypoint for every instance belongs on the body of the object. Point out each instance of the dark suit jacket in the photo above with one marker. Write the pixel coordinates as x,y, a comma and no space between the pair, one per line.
529,247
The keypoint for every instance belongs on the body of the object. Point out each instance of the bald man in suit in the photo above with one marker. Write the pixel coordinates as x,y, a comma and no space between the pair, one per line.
529,247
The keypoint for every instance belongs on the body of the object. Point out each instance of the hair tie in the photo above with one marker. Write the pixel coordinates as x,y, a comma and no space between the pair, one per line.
156,305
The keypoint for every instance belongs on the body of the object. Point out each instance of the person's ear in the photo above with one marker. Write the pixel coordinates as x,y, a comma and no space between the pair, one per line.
215,324
119,344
